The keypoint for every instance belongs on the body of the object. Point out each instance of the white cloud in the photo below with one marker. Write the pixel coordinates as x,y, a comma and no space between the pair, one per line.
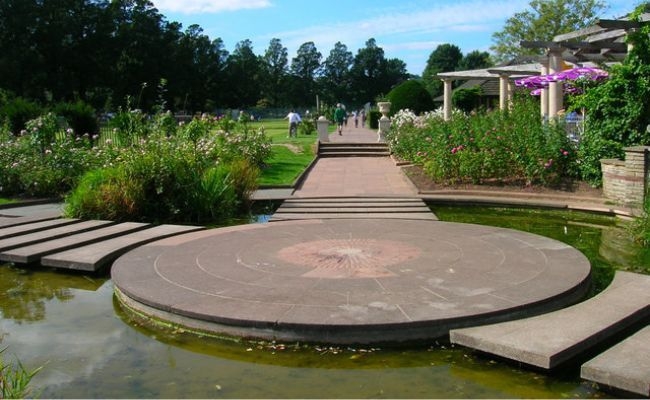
208,6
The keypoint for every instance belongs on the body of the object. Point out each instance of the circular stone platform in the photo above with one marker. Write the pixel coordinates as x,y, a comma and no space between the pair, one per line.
349,281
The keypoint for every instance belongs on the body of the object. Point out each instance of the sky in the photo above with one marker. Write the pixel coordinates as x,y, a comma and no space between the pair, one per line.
405,29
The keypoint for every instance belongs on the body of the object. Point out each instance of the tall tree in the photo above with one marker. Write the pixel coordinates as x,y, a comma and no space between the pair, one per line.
544,20
141,51
276,67
394,74
304,68
335,81
475,60
196,81
366,71
243,72
445,58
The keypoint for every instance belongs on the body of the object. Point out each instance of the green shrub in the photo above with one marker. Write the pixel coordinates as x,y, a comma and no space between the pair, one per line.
511,146
373,119
467,99
129,126
410,95
80,116
618,110
18,111
106,193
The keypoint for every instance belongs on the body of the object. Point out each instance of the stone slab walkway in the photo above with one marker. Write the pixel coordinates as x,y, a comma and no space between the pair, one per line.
625,366
548,340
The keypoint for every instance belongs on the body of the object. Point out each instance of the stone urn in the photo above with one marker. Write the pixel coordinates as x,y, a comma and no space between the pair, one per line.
384,108
384,121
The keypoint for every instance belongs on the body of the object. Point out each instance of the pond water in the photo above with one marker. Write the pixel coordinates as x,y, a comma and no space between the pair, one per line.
71,324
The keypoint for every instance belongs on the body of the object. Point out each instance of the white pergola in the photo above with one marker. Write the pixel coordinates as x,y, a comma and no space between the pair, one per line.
505,74
603,42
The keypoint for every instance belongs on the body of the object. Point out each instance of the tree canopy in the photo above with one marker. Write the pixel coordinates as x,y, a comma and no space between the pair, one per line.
448,57
544,20
104,52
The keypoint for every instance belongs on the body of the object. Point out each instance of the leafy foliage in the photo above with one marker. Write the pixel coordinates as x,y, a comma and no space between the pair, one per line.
510,146
80,117
467,99
618,110
410,95
15,379
16,112
544,20
446,57
48,47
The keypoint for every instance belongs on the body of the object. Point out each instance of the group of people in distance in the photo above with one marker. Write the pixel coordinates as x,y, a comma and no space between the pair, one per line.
340,118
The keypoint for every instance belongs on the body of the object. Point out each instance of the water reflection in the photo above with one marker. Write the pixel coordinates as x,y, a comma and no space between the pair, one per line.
25,293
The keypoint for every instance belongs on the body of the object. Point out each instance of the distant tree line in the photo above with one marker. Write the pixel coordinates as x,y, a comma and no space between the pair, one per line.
103,52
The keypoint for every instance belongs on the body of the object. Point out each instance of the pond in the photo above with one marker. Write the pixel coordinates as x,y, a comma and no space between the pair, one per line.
71,324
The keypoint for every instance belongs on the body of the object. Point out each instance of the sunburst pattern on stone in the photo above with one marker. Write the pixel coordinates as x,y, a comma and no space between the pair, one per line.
349,258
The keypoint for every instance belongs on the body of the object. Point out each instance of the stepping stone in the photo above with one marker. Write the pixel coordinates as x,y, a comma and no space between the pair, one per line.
94,257
49,234
7,221
625,366
548,340
33,253
18,230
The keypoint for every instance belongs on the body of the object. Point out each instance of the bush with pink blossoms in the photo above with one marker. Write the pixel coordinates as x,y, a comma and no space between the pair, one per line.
500,146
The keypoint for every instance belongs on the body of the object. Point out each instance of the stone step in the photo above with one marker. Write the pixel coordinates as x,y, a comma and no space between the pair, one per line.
332,208
355,209
429,216
353,150
353,200
49,234
413,204
549,340
33,253
353,154
625,366
96,256
24,229
11,220
353,144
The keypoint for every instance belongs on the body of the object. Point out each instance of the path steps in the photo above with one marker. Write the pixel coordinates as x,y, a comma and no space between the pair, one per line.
353,207
11,220
625,366
96,256
548,340
34,252
50,234
343,149
81,245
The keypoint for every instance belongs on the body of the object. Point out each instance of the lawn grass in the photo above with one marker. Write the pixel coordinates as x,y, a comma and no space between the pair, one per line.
6,201
290,156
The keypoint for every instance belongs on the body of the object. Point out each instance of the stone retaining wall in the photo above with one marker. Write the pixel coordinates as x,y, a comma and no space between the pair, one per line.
625,182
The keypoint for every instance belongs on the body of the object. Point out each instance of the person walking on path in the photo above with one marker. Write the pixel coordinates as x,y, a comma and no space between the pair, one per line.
339,117
294,120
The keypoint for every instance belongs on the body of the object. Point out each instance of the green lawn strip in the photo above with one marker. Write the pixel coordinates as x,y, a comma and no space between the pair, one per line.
286,164
6,201
290,156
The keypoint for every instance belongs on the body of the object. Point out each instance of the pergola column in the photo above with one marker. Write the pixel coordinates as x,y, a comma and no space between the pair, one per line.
511,92
447,99
503,91
555,92
544,92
